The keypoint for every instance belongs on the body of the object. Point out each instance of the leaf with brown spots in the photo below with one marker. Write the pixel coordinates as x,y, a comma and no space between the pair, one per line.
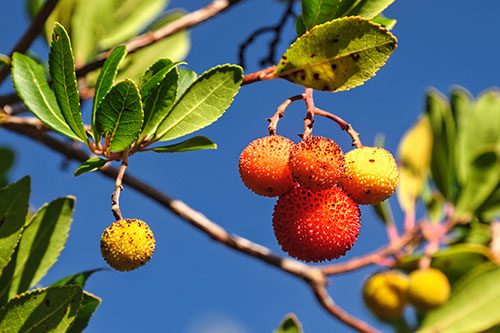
338,55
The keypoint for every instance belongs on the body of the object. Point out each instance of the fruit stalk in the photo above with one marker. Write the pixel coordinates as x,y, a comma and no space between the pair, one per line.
115,197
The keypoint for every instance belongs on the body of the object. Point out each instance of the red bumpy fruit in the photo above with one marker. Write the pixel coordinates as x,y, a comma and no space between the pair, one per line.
317,162
264,166
316,225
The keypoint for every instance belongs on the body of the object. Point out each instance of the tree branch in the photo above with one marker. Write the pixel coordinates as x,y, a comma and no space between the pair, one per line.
30,34
315,277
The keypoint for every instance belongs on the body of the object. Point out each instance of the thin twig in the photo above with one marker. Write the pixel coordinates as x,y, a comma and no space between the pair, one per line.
315,277
356,141
280,112
374,257
270,58
115,197
30,34
261,75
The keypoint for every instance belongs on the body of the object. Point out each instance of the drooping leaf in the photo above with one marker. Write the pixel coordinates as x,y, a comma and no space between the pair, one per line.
337,55
90,165
87,308
186,78
13,209
119,116
174,47
438,111
454,261
482,180
62,71
154,75
462,104
202,103
415,149
479,129
78,279
158,104
32,86
473,308
194,143
289,324
41,243
7,158
106,77
42,310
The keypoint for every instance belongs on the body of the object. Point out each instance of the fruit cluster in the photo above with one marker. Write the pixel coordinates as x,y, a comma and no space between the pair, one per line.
388,293
317,216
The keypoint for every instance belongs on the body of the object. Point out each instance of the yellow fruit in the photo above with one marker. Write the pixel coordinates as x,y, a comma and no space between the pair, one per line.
385,294
371,175
428,289
127,244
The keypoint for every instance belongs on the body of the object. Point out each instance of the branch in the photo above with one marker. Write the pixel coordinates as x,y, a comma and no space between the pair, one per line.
30,34
115,197
315,277
374,257
356,141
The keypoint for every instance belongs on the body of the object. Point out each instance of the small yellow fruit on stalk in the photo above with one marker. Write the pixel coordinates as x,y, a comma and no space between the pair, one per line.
385,294
127,244
371,175
429,288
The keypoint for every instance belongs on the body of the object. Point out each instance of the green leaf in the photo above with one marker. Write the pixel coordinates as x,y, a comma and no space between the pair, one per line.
462,104
479,131
365,8
186,78
443,149
42,241
386,22
415,149
129,17
194,143
158,104
202,103
490,209
31,85
338,55
154,75
473,308
482,180
87,308
290,324
61,14
454,261
90,165
7,158
13,209
119,116
108,23
315,12
300,27
174,47
62,71
42,310
78,279
105,80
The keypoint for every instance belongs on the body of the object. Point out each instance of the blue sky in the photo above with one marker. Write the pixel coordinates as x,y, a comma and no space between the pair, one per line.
193,284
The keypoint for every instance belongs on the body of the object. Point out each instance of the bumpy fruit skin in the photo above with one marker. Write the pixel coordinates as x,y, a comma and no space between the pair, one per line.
371,175
317,162
428,289
264,167
385,294
316,225
127,244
